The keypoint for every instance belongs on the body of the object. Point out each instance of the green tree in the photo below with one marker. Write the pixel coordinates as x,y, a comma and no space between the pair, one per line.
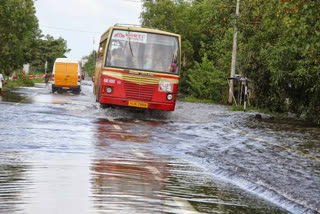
206,81
280,52
216,18
18,30
47,49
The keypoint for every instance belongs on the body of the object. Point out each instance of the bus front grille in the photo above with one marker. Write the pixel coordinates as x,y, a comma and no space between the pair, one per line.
139,87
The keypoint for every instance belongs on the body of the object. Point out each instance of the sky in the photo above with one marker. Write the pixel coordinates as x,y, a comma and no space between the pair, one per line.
82,22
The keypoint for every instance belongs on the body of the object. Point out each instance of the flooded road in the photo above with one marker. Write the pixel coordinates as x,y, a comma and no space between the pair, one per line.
62,153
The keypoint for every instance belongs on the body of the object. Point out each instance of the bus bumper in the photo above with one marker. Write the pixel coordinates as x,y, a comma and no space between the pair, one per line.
124,102
59,88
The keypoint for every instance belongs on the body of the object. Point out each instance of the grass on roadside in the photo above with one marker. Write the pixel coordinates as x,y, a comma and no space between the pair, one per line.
232,108
196,100
11,84
241,108
36,73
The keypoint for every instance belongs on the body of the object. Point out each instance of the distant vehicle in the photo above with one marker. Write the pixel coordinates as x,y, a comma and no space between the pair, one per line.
83,75
138,67
66,76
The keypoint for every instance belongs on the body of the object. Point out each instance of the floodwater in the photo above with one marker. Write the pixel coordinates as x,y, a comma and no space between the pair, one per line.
62,153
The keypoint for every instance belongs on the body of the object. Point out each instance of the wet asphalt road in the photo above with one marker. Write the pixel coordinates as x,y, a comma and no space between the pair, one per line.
62,153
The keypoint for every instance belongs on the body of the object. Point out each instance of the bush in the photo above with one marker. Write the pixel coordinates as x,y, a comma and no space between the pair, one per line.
207,82
18,83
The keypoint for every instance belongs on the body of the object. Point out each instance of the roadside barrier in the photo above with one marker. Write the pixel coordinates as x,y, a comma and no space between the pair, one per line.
36,76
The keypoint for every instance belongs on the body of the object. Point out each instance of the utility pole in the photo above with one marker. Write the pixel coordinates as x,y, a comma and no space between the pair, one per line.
93,43
234,55
93,52
45,67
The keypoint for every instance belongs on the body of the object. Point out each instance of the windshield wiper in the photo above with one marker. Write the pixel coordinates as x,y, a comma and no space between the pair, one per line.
130,45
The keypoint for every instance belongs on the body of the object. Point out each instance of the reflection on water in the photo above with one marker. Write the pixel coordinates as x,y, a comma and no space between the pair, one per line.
9,96
119,185
125,130
12,183
127,177
123,179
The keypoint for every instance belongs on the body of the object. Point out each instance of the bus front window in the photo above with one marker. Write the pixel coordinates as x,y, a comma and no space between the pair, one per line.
143,51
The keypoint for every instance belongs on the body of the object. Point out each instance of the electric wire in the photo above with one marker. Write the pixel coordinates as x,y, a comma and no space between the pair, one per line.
68,29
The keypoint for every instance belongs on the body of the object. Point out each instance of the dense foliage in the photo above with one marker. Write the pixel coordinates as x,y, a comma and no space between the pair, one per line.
47,49
18,28
280,52
21,41
278,48
211,86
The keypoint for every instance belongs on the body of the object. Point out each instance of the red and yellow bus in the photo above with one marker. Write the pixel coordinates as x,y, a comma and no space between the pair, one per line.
138,67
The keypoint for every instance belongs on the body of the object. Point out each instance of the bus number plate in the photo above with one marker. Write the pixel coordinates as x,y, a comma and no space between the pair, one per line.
138,104
65,88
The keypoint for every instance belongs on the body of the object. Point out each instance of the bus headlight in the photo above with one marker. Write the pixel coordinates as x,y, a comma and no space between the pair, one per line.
109,90
165,86
169,96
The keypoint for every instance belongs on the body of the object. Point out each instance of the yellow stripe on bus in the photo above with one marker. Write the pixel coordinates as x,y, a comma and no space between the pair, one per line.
138,79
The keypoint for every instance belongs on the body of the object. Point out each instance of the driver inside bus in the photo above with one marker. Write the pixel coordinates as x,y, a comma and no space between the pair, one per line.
117,58
148,62
159,62
159,65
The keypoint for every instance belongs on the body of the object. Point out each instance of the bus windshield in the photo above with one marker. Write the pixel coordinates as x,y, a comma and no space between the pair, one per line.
143,51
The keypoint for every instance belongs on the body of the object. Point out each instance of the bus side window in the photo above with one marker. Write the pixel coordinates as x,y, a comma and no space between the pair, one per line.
101,49
100,53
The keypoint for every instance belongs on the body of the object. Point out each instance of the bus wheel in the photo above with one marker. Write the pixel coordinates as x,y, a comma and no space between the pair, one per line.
53,89
104,106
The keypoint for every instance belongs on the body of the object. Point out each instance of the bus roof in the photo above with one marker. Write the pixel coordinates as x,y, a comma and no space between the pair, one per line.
66,60
136,28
